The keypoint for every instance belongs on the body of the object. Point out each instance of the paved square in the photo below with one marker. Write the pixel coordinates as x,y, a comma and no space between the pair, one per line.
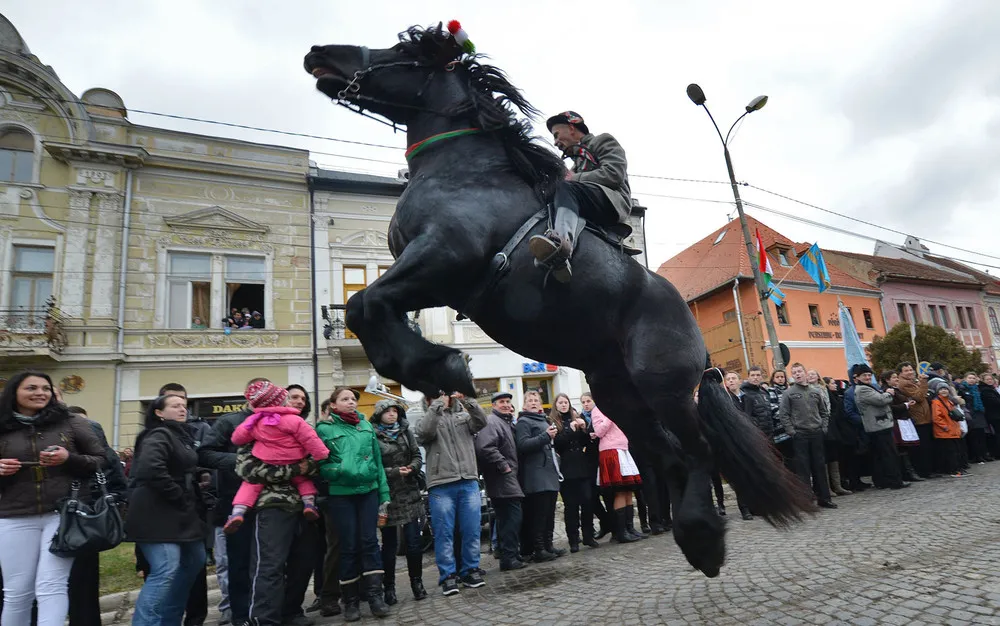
925,555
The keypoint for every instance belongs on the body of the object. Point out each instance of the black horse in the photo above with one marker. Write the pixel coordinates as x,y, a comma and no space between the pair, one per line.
627,328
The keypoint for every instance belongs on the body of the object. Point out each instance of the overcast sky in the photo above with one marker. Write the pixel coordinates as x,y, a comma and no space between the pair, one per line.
886,111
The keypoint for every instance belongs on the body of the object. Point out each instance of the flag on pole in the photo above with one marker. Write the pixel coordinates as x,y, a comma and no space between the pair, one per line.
854,352
813,263
764,265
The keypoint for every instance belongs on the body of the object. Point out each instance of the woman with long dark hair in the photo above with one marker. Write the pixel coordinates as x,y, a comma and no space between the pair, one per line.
166,517
571,442
44,450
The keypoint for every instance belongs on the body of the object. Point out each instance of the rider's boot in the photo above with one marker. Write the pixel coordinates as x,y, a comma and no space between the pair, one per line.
555,247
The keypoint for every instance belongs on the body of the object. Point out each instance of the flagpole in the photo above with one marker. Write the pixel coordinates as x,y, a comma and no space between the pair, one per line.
913,341
797,261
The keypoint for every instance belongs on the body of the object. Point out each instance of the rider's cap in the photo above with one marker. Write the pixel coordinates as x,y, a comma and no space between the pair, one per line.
568,117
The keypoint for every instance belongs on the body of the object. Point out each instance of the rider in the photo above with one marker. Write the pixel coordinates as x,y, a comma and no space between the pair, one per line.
596,188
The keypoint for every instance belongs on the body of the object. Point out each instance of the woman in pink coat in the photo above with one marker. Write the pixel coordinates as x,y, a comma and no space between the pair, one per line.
617,472
280,437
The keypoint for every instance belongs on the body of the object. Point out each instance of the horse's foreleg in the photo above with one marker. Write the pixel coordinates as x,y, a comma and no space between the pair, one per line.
377,315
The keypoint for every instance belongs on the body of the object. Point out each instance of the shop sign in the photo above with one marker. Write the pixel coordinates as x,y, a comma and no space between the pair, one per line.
210,408
534,367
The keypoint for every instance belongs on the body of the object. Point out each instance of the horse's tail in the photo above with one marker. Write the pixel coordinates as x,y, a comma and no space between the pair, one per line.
747,459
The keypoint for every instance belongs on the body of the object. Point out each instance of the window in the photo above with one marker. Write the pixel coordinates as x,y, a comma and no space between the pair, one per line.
869,323
17,156
935,318
31,282
729,316
994,324
971,317
943,310
543,386
485,388
814,315
719,238
383,270
915,313
246,277
782,311
355,279
960,312
901,310
783,257
189,290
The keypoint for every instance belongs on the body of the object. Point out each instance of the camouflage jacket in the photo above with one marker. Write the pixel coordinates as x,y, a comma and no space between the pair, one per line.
278,493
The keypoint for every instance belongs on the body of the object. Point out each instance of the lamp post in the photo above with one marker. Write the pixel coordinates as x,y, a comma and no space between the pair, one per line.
697,96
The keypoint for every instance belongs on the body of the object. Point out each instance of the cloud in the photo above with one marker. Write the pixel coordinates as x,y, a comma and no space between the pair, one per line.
925,69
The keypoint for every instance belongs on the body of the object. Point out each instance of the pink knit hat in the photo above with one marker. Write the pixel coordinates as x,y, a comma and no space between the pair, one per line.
265,393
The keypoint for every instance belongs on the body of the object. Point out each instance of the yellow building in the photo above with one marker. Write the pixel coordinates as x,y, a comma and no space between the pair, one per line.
207,224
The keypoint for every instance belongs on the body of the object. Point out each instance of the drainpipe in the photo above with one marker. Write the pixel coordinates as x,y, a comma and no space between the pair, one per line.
739,320
122,272
315,322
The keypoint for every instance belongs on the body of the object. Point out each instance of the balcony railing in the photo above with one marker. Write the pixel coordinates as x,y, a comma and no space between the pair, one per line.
336,328
26,330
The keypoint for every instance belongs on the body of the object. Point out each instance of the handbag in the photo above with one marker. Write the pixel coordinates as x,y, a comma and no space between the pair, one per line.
84,528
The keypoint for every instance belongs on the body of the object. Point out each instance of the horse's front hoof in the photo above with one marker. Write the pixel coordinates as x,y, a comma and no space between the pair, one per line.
456,375
703,542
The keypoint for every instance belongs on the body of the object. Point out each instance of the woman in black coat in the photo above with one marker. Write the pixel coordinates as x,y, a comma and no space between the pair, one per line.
991,402
571,441
165,516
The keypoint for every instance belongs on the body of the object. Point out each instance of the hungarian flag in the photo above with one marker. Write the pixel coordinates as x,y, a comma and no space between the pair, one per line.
764,264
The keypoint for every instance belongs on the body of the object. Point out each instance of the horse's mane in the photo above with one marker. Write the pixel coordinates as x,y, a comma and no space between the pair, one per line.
495,103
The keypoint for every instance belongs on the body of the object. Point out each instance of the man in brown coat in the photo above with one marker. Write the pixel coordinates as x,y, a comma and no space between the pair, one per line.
596,189
914,388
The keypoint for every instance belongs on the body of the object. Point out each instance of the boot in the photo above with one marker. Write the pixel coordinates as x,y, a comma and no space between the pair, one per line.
555,247
389,592
417,586
835,486
415,567
909,474
351,594
630,523
621,528
376,601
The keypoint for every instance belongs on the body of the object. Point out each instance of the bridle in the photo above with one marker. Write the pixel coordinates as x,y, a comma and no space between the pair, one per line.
351,97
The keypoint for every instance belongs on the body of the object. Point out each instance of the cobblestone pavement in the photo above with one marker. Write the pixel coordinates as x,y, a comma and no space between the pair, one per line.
925,555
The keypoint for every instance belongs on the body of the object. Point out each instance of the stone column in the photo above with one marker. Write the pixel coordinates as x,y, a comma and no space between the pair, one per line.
321,278
106,271
70,300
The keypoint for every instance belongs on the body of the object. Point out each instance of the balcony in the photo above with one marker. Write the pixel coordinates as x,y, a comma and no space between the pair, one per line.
32,332
971,337
339,336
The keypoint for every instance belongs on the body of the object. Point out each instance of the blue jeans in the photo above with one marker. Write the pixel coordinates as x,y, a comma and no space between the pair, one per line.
172,570
356,519
456,502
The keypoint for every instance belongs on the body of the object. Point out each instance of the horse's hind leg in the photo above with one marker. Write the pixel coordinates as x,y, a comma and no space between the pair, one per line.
377,315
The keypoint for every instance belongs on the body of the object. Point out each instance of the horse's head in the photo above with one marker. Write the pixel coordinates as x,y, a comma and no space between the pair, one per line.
417,74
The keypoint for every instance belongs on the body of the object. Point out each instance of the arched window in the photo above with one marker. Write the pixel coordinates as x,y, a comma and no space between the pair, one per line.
994,324
17,155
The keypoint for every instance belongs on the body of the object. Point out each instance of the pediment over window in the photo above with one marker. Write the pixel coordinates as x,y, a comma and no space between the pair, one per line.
218,218
366,238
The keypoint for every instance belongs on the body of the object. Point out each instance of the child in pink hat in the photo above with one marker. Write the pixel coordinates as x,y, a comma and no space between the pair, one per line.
280,437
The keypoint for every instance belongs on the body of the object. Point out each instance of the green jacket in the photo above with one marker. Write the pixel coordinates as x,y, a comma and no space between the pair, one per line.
354,466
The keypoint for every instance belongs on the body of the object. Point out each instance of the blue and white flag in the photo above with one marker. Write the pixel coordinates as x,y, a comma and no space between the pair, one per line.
854,352
814,264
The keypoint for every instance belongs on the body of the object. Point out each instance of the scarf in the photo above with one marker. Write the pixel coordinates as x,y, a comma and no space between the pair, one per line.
351,418
977,398
27,420
268,416
586,417
389,430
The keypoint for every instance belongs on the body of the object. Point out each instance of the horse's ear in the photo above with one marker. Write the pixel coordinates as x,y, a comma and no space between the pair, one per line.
440,29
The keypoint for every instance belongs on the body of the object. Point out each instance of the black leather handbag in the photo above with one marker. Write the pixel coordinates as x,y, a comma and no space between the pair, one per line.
87,529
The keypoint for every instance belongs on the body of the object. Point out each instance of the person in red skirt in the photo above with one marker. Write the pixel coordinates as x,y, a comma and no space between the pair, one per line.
617,472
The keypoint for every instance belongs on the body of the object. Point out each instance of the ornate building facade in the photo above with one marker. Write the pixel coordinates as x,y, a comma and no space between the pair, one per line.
123,248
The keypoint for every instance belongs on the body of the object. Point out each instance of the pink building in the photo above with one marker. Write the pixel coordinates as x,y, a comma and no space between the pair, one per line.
915,287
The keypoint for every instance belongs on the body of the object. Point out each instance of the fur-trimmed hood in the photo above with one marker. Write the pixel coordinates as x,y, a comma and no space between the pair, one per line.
384,405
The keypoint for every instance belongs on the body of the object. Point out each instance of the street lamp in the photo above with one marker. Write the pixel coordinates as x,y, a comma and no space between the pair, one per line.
697,95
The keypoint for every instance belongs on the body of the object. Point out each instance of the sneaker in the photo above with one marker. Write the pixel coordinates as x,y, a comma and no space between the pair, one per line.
449,586
748,516
556,551
574,548
957,475
315,606
233,524
310,512
473,580
506,567
965,473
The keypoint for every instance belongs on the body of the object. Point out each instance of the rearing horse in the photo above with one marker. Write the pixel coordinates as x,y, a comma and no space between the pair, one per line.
476,177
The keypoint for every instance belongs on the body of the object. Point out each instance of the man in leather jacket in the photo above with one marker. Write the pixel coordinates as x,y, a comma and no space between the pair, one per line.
596,189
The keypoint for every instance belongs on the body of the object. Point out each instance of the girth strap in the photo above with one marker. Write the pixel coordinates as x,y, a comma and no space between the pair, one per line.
501,261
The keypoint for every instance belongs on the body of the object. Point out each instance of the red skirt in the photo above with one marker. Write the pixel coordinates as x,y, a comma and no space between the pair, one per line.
613,473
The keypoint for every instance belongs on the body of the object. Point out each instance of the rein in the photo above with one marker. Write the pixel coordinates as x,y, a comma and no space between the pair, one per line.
351,98
418,147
